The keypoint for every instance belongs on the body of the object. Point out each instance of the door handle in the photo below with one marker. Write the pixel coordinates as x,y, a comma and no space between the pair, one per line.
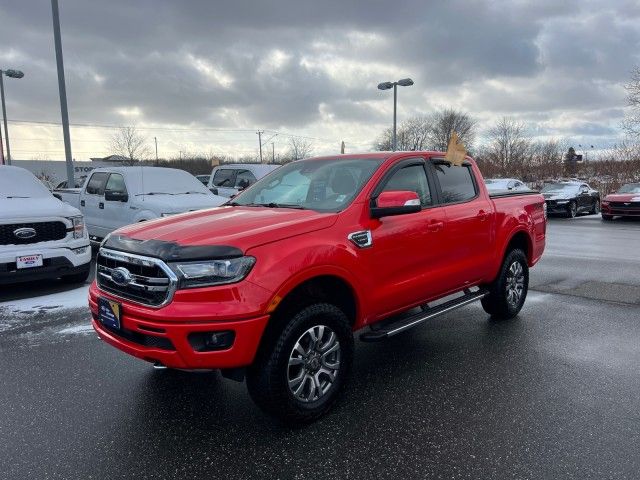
82,203
101,206
435,226
482,215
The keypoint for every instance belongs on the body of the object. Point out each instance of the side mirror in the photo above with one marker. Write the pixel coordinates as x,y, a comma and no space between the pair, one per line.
111,196
398,202
214,191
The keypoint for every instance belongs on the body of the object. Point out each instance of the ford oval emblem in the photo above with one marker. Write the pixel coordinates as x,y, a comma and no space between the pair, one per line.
24,233
121,276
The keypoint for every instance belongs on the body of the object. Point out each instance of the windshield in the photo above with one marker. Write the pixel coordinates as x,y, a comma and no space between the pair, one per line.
20,183
321,185
169,181
559,187
630,188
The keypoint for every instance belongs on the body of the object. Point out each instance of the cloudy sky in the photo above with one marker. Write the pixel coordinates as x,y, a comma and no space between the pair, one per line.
203,76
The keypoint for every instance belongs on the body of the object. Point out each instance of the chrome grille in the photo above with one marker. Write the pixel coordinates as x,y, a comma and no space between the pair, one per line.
148,281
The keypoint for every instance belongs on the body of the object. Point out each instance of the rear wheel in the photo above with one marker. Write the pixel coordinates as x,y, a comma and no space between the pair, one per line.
595,208
509,290
572,209
298,376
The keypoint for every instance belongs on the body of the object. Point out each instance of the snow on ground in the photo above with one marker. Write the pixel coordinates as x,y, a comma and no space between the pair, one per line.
43,309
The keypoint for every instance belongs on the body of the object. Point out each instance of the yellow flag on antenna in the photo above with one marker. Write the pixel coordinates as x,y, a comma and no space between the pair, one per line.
455,151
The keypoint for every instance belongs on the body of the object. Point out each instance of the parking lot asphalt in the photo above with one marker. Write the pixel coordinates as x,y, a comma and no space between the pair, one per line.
550,394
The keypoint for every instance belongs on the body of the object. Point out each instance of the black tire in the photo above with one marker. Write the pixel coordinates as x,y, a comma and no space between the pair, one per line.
595,208
607,218
76,277
498,303
572,209
268,378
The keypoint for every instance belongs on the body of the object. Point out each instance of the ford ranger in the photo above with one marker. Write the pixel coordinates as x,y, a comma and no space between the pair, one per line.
271,286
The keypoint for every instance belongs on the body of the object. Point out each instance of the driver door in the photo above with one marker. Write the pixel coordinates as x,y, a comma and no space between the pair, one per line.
406,249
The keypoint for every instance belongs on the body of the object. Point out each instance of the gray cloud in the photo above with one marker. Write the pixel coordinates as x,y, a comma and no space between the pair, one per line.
313,66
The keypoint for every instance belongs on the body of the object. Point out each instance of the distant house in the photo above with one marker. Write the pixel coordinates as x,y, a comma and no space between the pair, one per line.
110,159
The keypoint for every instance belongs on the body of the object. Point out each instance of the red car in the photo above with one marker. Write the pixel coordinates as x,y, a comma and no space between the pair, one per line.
624,203
272,286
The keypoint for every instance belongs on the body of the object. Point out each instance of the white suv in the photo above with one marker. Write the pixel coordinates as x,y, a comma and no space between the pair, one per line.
40,236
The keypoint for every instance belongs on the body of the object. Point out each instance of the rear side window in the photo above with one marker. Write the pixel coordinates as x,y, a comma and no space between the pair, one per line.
456,183
224,178
96,183
413,179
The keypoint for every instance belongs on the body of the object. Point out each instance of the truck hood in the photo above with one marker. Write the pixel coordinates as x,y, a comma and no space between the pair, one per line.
239,227
180,203
36,207
622,197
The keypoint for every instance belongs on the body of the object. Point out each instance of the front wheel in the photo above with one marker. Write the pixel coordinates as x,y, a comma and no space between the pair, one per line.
595,208
299,374
509,290
607,218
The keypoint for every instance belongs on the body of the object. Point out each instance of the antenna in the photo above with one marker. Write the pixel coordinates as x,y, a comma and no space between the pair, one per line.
142,180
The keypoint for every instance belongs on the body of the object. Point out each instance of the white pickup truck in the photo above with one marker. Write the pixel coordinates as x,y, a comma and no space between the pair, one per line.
113,197
40,236
230,179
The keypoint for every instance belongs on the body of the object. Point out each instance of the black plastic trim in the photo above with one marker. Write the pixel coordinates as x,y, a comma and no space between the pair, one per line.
171,251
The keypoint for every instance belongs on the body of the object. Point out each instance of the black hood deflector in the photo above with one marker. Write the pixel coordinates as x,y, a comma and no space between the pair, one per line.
170,251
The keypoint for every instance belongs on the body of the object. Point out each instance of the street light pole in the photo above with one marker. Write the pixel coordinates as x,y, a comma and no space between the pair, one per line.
405,82
63,91
4,116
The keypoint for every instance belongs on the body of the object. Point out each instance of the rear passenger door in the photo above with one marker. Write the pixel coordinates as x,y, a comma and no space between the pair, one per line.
92,204
469,224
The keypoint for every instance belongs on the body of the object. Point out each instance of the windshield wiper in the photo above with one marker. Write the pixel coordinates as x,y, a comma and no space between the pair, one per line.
15,196
268,205
187,193
154,193
283,205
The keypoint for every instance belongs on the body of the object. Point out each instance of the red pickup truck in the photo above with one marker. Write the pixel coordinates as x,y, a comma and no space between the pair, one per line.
271,286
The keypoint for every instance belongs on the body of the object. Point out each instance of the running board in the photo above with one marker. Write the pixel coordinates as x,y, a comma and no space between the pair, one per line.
405,323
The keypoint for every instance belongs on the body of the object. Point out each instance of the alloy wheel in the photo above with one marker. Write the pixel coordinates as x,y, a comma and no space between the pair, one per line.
515,284
314,364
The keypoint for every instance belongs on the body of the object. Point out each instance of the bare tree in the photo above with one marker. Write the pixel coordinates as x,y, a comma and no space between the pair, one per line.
411,135
631,124
128,142
299,148
446,121
509,147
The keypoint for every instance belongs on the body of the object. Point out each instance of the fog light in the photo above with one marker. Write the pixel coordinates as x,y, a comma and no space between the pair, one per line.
211,341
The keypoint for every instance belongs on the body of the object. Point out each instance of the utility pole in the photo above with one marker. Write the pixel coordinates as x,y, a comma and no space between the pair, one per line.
1,145
260,132
155,139
63,92
273,152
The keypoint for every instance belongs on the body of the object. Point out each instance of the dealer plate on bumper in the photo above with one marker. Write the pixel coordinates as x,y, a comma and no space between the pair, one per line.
29,261
109,313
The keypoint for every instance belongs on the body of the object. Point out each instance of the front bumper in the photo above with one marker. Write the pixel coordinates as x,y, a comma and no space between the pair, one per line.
165,341
557,206
57,261
621,210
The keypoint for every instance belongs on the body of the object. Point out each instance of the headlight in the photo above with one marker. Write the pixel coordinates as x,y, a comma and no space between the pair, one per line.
167,214
562,201
213,272
78,226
